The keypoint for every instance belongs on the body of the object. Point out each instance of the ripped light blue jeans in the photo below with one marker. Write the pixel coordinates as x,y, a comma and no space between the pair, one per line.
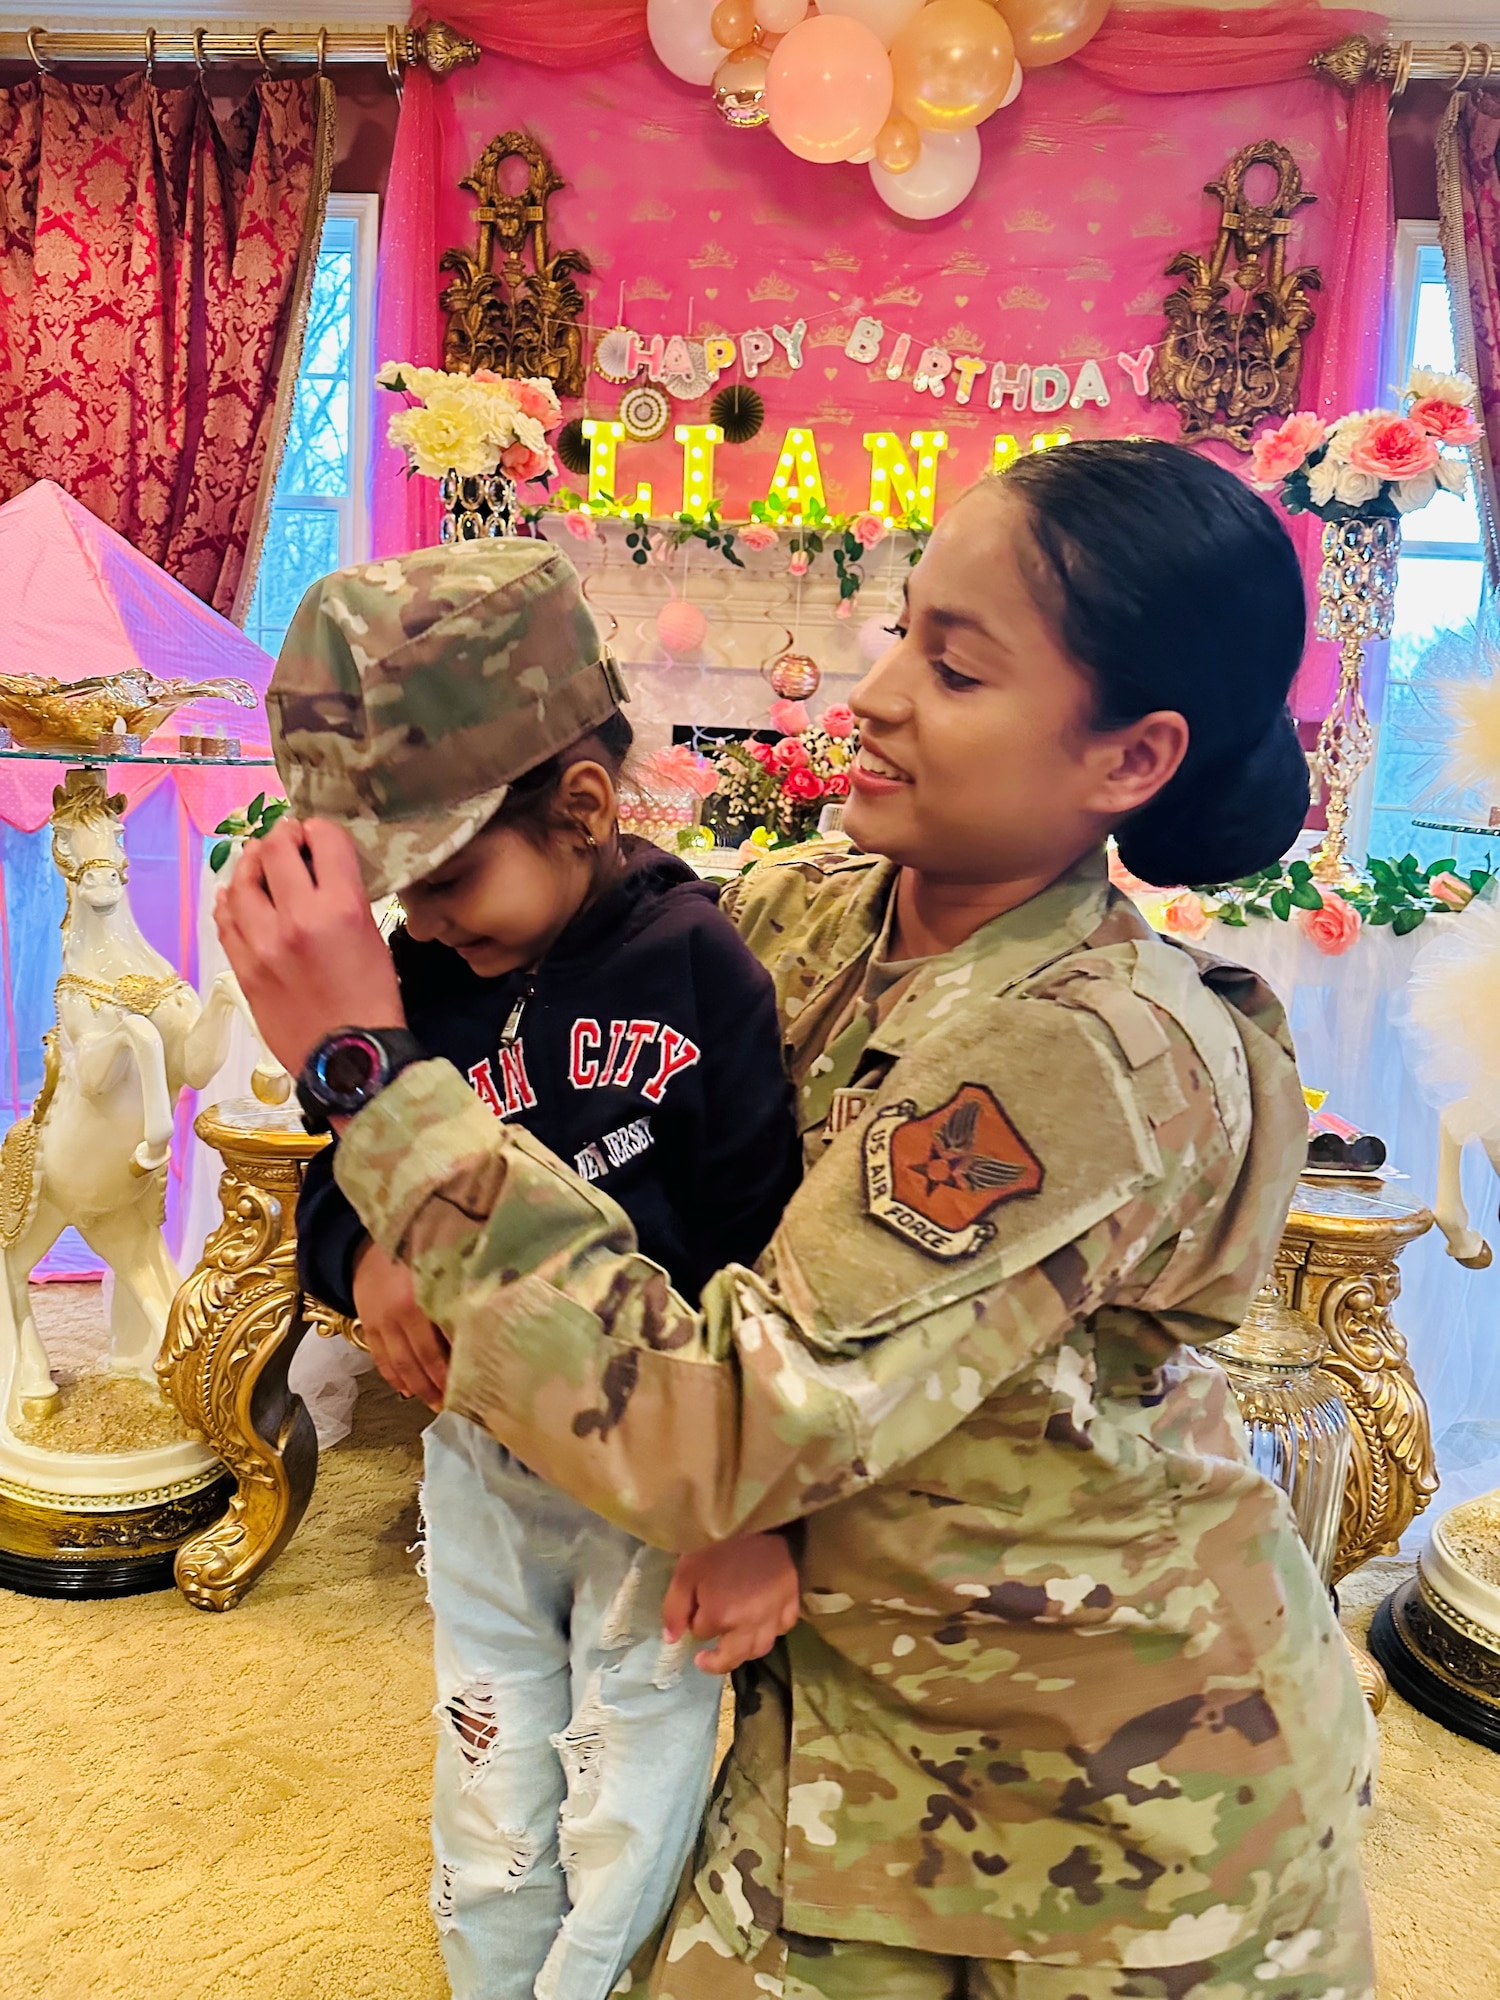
575,1747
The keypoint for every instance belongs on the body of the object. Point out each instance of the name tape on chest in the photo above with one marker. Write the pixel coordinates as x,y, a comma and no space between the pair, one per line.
934,1178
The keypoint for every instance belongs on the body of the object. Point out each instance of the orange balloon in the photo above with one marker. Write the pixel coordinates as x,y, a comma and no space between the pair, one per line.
953,62
898,146
732,23
828,90
1049,31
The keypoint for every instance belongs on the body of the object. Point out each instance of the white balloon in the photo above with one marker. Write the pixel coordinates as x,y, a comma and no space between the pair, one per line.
683,41
1018,77
885,18
945,171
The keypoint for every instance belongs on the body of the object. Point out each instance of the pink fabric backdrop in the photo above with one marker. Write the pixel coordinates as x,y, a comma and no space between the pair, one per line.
1087,190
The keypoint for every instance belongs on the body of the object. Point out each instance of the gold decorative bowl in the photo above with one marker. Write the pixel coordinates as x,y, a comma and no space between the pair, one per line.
71,716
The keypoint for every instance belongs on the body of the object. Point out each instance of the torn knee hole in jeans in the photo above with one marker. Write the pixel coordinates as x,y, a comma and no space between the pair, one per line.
442,1895
473,1714
418,1548
582,1746
618,1627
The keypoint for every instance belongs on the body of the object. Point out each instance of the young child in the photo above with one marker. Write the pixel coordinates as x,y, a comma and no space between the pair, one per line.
455,711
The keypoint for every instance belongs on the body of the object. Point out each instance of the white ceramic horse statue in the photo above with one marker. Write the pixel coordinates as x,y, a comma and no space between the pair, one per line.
94,1149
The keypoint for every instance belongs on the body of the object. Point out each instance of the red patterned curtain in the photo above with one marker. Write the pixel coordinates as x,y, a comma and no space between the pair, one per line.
155,260
1469,204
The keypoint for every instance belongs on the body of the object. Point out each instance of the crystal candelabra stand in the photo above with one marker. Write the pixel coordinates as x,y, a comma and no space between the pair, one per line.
478,509
1356,603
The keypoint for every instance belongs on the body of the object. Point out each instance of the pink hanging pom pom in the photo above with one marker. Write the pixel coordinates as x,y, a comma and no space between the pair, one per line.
681,627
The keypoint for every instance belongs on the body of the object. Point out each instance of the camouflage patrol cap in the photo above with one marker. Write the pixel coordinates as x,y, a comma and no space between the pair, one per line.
410,693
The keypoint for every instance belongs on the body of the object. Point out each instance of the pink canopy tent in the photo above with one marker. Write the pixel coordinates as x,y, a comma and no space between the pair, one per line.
78,600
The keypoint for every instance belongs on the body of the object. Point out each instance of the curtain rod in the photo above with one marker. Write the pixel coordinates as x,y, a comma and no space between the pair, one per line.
1461,65
435,46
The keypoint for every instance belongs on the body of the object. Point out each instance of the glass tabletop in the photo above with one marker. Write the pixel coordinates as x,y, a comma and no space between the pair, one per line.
81,758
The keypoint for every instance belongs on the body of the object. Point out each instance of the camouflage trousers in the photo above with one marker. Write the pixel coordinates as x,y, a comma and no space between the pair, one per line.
1329,1959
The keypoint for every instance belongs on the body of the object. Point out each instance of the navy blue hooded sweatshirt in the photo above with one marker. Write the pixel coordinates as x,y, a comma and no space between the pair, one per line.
647,1055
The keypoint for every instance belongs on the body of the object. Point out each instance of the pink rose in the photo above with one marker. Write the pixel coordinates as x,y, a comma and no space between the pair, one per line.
756,536
845,608
867,529
790,717
1451,889
798,566
790,755
764,755
1391,448
839,721
1333,928
836,786
535,403
582,526
1281,451
1448,422
522,462
802,785
1185,916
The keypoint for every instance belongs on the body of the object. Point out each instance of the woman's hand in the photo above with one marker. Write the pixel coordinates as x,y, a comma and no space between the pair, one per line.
403,1342
295,924
743,1594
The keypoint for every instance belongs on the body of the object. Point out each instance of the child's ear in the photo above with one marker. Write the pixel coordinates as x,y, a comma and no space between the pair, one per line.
588,799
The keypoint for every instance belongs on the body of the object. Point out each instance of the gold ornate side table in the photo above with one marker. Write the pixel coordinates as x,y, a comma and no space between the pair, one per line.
234,1327
1337,1264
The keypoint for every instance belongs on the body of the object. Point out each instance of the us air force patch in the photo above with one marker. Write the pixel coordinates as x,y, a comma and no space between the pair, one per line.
933,1180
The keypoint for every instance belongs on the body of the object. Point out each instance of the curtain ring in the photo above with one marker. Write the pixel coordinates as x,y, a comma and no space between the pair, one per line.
151,55
42,68
1463,49
1489,62
322,51
198,54
260,50
392,53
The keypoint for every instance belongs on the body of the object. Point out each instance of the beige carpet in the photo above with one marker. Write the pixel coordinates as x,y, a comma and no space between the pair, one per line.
200,1807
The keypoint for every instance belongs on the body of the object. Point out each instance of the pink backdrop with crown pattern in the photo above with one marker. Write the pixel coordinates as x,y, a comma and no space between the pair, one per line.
1085,193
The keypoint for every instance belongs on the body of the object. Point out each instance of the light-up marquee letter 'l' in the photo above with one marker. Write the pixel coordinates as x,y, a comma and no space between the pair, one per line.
604,441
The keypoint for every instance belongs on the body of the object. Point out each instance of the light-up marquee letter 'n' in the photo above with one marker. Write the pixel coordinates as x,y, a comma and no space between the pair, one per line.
604,441
896,493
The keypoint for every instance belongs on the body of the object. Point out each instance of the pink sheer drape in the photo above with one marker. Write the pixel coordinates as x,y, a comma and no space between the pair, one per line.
1469,203
1181,53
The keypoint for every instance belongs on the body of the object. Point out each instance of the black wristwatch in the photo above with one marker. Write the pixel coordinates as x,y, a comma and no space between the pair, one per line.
348,1068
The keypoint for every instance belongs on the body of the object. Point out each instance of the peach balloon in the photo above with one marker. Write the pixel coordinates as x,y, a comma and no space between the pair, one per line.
885,18
733,23
1049,31
899,144
777,16
828,90
952,63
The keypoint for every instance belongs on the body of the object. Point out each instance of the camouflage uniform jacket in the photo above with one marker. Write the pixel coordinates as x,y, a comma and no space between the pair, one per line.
1066,1686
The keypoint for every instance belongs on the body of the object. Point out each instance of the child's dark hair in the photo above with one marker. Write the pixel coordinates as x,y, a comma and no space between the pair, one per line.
1176,587
531,803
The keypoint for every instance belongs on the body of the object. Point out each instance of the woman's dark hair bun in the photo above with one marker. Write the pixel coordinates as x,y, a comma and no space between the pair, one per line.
1176,587
1223,823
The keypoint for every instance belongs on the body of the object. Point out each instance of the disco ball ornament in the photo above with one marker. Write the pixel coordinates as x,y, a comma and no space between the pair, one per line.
876,637
794,677
681,627
740,88
645,413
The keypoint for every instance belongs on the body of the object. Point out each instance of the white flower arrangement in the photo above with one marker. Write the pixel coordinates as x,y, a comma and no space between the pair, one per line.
471,424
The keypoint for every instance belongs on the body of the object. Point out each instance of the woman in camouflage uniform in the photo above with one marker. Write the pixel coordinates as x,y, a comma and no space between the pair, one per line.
1067,1715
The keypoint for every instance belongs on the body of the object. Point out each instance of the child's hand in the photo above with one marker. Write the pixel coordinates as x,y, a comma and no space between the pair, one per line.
404,1344
743,1594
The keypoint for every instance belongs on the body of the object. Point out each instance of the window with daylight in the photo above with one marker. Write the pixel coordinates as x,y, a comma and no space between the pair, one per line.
1437,597
319,515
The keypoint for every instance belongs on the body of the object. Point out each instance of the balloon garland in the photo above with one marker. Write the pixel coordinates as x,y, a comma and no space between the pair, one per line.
899,85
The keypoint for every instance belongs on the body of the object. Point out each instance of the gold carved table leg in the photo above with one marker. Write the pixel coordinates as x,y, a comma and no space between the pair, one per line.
233,1330
1337,1264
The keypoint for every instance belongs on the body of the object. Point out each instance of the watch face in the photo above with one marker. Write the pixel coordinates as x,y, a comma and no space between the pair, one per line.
349,1067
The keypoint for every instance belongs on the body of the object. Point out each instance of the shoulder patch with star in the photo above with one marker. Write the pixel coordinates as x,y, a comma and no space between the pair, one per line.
934,1179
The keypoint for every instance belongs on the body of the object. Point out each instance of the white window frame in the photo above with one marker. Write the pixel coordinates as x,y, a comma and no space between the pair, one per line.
1412,238
365,210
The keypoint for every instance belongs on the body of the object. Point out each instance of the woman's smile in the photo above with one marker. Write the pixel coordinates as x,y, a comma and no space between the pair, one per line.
876,775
